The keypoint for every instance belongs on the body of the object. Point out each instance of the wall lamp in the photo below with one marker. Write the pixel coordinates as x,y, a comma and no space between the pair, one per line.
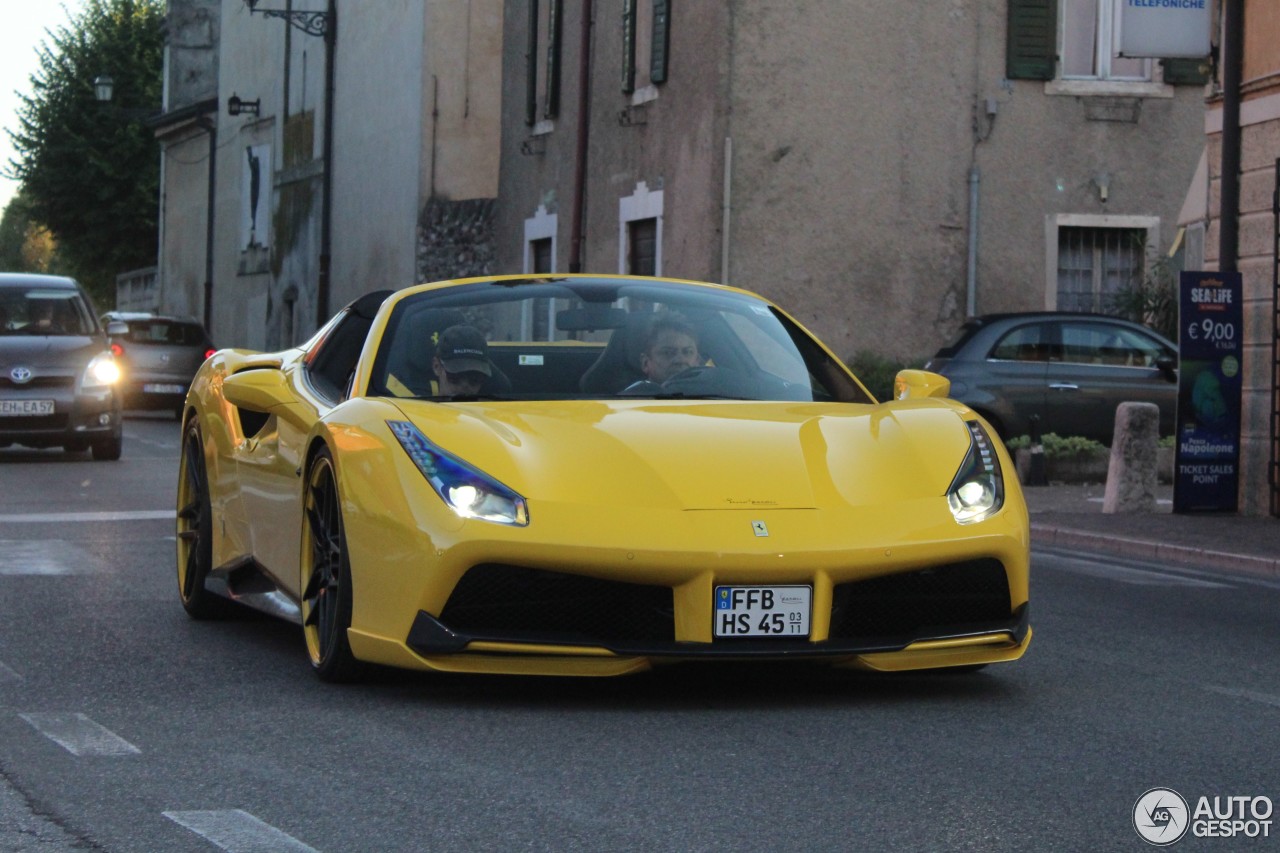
236,106
103,87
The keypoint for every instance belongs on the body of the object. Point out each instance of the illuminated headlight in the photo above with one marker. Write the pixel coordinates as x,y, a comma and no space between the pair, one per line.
977,491
468,492
101,372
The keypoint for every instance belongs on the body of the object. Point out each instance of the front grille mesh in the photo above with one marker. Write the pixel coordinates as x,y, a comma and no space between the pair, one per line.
510,602
951,596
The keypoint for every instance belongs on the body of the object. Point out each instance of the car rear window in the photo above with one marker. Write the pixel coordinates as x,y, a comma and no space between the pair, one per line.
164,332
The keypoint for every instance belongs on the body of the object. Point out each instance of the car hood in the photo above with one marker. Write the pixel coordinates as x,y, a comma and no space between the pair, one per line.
706,455
47,351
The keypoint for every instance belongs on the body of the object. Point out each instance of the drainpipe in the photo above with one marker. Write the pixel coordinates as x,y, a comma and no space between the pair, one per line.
971,276
210,127
726,209
584,119
326,212
1232,70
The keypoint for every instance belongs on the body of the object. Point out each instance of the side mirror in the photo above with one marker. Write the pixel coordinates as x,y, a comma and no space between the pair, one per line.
1168,365
918,384
116,328
258,390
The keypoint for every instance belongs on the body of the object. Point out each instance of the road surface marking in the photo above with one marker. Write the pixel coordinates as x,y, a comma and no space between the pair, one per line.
50,557
1251,695
75,517
7,674
1127,574
79,735
237,831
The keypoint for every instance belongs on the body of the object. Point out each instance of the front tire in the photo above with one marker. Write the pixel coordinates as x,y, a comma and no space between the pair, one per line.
195,530
108,449
326,577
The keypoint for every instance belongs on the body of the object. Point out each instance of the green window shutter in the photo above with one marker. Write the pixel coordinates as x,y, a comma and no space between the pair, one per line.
1032,48
628,46
1186,72
555,31
531,67
661,41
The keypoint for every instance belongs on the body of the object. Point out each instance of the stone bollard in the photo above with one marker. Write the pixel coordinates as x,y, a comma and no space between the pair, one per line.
1131,475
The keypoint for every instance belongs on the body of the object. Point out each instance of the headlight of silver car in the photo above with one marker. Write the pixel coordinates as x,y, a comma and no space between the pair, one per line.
977,491
101,372
467,491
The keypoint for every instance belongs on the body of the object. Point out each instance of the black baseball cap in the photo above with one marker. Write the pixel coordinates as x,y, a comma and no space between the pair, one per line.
463,348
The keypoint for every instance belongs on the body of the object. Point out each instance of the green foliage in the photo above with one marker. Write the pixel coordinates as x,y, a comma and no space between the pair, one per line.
1152,301
90,171
877,371
26,246
1056,446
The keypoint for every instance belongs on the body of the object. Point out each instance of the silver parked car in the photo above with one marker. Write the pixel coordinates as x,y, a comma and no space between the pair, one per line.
158,356
1072,370
57,374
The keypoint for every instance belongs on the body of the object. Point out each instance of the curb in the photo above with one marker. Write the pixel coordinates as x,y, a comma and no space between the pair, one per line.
1063,537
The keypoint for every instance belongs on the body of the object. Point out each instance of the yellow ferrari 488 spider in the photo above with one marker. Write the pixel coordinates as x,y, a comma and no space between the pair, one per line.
594,475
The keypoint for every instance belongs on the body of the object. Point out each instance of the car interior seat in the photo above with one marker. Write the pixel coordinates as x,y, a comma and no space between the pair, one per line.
409,362
619,364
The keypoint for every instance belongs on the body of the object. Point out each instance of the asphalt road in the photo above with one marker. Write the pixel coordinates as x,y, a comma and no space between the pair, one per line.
126,726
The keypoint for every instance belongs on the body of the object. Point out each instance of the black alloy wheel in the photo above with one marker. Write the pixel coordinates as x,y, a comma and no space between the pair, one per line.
195,530
326,575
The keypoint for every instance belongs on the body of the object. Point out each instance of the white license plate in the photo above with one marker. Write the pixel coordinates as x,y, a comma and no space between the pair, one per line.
763,611
26,407
155,388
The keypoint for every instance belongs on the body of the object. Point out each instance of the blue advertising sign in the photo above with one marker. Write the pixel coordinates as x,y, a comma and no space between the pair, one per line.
1210,342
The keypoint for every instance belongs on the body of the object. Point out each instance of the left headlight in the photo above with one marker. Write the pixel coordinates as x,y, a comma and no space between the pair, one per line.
977,492
467,491
101,372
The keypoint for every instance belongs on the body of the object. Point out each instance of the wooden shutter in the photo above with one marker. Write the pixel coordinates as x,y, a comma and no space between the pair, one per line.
555,13
1186,72
628,46
531,67
1032,48
661,41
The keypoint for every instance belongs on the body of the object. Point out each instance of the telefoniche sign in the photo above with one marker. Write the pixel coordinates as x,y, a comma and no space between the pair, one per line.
1162,29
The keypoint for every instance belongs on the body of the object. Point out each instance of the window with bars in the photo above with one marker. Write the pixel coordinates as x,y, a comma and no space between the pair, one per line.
1096,264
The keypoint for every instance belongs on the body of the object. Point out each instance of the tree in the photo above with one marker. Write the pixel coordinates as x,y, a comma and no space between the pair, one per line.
25,246
90,171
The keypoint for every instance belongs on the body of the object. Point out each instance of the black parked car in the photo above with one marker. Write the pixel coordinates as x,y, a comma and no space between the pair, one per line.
1072,370
58,379
158,356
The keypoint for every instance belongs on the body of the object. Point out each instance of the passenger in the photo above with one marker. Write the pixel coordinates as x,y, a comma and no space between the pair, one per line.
461,363
670,346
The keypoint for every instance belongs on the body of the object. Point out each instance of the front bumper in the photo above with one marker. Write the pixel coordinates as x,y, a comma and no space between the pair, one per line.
952,615
77,418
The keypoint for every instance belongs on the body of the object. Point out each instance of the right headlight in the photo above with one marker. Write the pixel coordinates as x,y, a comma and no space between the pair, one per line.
102,372
977,492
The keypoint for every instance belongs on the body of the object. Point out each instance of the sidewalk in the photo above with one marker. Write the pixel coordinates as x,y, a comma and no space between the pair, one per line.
1070,516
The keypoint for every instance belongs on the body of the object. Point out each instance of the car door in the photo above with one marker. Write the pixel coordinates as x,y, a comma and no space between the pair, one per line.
1009,384
1099,366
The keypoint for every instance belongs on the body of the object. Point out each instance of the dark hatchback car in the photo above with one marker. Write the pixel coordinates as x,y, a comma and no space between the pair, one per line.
57,375
1072,370
158,357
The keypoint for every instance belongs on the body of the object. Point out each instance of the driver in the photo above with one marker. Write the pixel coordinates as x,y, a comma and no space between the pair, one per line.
461,363
670,346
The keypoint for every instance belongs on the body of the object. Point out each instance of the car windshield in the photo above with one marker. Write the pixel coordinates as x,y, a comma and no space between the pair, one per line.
44,312
555,339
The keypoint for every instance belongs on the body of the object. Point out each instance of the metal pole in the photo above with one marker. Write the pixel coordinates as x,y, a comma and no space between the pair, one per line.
580,161
1232,70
